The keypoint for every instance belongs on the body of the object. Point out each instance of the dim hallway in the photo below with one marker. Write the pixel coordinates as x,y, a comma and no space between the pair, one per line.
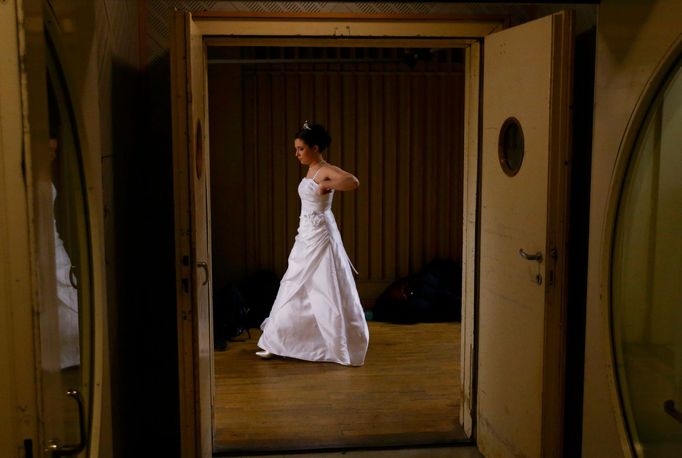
407,393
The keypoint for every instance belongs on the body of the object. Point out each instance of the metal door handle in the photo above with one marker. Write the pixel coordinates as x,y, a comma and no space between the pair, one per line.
55,448
531,257
204,266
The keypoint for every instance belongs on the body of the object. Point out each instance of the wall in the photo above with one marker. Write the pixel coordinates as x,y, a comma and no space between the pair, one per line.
399,130
632,40
155,27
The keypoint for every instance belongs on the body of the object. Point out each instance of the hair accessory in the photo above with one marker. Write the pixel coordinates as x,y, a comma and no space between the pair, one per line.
306,126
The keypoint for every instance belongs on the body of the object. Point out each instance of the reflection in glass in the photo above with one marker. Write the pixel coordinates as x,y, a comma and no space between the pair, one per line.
67,296
72,259
647,279
66,277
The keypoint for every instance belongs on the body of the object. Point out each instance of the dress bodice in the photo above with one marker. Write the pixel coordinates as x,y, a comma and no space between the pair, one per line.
311,201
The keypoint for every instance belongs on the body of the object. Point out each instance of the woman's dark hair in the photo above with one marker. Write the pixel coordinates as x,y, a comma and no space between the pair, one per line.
314,134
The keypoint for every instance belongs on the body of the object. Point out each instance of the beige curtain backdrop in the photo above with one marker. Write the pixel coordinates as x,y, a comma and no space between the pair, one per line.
398,129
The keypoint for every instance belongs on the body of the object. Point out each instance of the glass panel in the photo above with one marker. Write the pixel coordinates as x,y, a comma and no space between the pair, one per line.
511,146
646,280
72,334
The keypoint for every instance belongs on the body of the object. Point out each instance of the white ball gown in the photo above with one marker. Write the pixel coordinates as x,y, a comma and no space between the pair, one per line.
67,298
317,315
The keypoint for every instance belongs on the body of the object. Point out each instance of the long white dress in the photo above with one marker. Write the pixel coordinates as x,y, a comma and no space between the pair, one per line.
67,298
317,315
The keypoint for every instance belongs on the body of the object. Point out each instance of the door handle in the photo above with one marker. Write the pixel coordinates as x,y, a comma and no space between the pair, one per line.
54,448
204,266
530,257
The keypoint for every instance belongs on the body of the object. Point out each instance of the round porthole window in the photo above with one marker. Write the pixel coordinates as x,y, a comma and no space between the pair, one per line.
510,147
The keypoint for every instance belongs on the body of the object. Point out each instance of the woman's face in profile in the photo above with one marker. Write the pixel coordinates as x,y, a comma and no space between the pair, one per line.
304,153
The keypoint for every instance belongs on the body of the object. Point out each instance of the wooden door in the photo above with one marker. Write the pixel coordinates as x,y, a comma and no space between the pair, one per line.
192,225
526,96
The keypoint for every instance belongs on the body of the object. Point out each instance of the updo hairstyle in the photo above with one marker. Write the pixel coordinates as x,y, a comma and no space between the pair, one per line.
314,134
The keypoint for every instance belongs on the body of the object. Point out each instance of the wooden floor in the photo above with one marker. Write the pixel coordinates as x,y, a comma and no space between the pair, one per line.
457,451
407,393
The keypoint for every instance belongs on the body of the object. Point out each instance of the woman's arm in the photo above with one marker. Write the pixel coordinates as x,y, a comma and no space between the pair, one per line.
332,177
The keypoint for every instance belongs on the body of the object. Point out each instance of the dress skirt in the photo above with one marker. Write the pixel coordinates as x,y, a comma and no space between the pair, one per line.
317,315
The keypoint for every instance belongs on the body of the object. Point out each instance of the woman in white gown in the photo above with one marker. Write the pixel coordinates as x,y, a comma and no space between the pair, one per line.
317,315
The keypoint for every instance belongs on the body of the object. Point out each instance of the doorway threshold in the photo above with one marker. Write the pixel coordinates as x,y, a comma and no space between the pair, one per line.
452,451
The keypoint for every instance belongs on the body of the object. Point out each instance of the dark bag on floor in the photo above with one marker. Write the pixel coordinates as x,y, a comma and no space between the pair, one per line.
432,295
259,290
230,316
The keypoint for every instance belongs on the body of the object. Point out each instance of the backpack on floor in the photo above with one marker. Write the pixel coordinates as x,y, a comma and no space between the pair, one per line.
432,295
230,316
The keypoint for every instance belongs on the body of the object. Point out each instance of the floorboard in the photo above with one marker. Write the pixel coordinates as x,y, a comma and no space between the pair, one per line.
407,393
457,451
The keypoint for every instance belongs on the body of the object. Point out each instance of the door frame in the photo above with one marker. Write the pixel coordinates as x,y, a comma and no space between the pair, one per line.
19,378
240,29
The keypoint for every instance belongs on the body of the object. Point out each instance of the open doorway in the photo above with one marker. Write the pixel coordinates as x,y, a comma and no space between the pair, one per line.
522,268
396,115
